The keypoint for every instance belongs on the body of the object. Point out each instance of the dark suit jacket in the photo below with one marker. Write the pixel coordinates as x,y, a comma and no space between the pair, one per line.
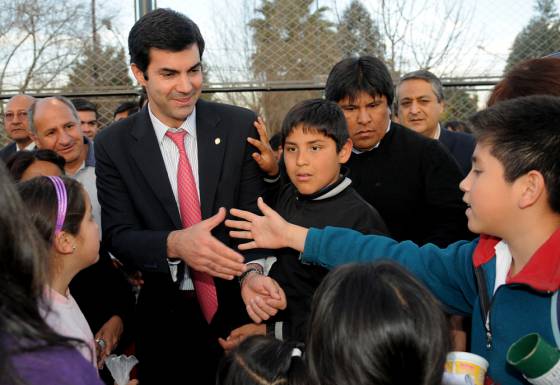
461,146
7,151
138,208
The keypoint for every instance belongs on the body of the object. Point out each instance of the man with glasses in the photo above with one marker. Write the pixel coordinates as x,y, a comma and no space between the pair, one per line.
16,126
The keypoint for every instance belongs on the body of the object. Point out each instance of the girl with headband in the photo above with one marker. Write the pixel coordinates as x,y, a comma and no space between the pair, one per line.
61,210
30,351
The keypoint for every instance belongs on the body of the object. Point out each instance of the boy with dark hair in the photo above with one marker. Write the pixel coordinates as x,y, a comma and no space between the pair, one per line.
508,278
410,179
316,144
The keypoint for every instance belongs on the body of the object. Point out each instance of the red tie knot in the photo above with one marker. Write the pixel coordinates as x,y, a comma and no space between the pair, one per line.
178,137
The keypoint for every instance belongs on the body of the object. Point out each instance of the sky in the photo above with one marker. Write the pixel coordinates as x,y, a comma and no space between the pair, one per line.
493,24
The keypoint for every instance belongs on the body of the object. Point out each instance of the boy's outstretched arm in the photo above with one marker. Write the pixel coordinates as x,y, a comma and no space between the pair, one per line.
269,231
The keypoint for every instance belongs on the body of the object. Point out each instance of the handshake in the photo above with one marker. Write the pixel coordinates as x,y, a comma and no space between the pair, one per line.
263,297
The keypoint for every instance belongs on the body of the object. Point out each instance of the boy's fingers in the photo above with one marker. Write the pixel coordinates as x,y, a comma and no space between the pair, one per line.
247,215
241,234
265,209
248,246
240,225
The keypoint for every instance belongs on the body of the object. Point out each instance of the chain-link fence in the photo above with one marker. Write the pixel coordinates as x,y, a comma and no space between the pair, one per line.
268,54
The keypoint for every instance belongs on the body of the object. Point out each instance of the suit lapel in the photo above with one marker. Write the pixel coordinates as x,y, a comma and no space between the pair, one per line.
211,142
147,155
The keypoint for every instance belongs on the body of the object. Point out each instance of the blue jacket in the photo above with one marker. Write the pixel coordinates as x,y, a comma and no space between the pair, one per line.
526,303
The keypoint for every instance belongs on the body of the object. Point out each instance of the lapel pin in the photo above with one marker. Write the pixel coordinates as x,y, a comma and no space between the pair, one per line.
217,141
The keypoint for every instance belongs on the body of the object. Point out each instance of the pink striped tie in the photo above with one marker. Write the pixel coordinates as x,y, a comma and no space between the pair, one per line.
189,207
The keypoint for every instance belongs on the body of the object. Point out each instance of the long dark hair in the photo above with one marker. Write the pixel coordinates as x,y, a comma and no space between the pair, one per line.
23,273
375,324
262,360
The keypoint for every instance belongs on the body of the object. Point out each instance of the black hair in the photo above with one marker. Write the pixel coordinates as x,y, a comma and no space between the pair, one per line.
23,276
353,75
262,360
524,135
163,29
39,196
375,324
131,107
317,115
84,105
276,141
22,160
458,126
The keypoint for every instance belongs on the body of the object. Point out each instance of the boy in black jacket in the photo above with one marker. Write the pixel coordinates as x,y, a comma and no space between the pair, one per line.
316,143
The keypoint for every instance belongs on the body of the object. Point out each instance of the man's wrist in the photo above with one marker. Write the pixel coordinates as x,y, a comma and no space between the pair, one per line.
252,269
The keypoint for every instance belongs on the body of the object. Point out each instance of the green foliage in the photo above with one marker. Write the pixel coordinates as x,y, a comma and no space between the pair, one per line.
358,34
101,68
292,43
459,104
539,38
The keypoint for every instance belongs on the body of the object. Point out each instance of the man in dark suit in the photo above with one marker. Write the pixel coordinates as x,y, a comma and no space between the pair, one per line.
16,126
410,179
144,177
420,103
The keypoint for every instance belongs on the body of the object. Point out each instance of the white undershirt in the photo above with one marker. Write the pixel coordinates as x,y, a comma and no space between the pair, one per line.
503,264
170,154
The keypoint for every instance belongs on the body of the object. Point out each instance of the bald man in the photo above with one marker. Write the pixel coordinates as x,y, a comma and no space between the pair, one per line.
16,126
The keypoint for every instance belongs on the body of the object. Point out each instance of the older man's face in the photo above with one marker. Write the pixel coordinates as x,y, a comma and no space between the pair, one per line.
419,108
58,130
15,118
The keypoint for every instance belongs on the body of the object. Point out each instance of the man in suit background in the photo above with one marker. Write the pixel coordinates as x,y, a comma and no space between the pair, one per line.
16,126
420,104
410,179
145,176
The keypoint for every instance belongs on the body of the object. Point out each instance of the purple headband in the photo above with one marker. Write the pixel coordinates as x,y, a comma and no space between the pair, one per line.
62,202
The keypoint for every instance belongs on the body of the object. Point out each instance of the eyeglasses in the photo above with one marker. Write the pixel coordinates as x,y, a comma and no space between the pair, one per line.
9,116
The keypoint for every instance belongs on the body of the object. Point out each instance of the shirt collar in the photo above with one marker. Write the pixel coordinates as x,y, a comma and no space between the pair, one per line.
160,128
438,132
542,272
356,151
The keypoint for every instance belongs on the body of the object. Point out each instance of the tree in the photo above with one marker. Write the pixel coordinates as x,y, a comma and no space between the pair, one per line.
292,44
426,34
358,34
44,38
540,36
101,68
460,105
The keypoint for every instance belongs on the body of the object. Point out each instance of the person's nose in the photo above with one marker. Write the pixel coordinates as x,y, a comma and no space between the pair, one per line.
184,84
301,158
414,108
363,116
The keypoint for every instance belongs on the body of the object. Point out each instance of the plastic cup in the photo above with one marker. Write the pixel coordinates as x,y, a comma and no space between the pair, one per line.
533,356
467,363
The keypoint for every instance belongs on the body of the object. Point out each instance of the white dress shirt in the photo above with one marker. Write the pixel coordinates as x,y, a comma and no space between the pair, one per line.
170,154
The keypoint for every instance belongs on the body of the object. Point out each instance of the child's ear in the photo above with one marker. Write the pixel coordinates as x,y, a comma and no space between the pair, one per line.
345,152
532,188
64,243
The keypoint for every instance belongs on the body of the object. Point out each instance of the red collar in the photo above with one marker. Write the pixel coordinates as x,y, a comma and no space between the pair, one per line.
542,272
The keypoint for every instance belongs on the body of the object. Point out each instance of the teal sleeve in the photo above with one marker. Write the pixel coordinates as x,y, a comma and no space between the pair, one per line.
448,272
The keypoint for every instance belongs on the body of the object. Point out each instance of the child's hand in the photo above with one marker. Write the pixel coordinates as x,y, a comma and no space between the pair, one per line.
265,158
270,231
239,334
263,297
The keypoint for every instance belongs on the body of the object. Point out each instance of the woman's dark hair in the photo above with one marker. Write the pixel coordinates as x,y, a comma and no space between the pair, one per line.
530,77
353,75
39,196
375,324
21,160
262,360
23,273
162,29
